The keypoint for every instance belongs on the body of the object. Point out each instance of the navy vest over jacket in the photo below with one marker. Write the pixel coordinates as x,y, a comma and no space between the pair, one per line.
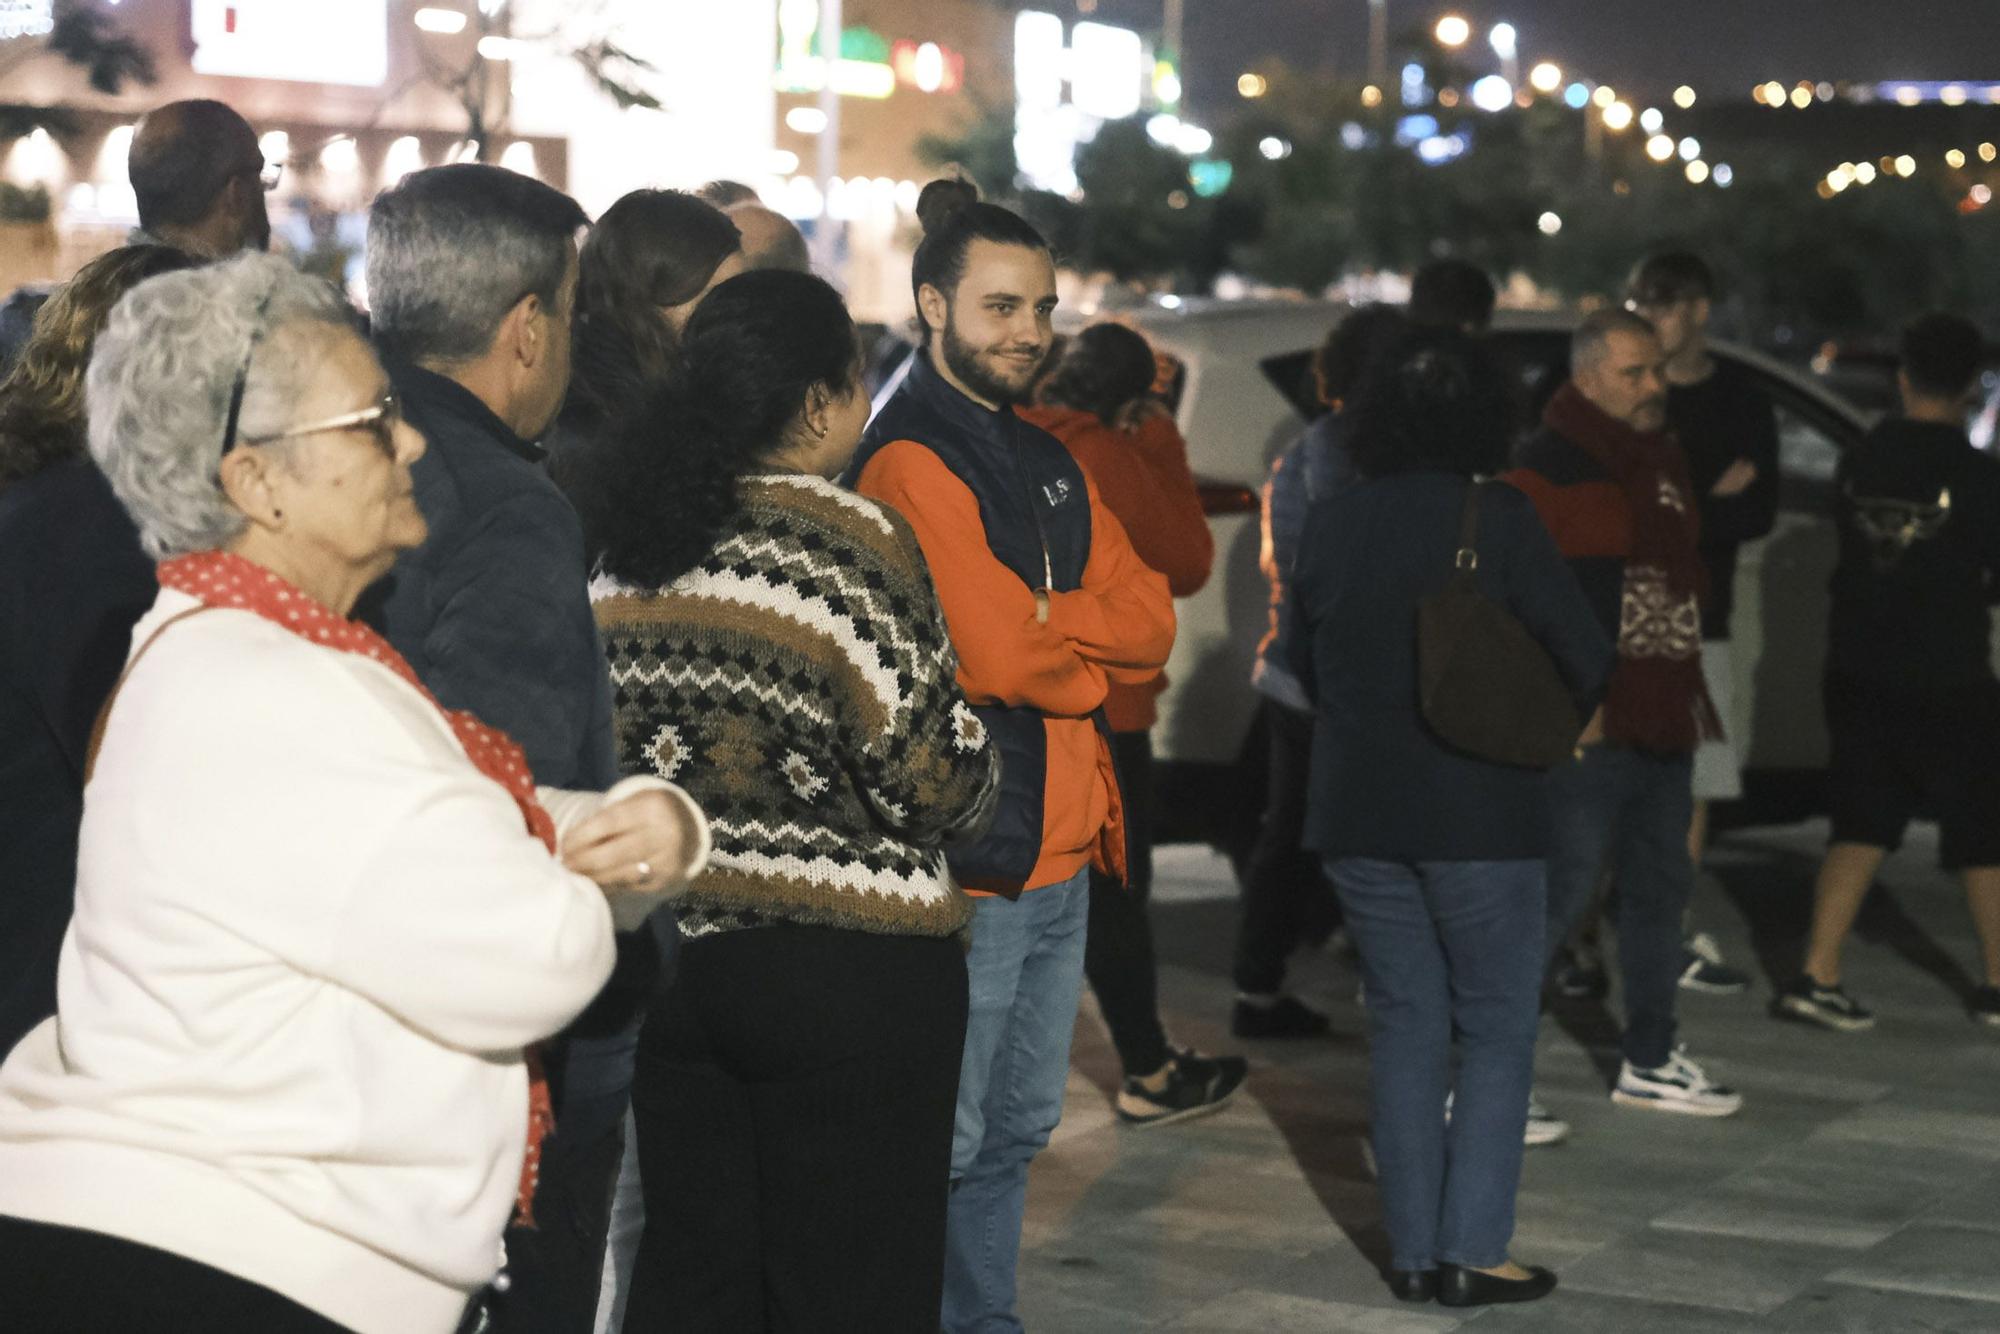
1035,507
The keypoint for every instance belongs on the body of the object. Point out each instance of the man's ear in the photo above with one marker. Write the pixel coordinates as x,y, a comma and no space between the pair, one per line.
525,331
932,306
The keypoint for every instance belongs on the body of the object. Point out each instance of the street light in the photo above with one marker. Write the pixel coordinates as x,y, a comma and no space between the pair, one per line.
1617,117
1697,172
1506,42
1604,96
1651,120
1453,31
1546,77
1659,148
1252,85
1549,223
1683,97
1493,93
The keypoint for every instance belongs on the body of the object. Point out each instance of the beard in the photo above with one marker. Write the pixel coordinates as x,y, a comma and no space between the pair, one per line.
979,370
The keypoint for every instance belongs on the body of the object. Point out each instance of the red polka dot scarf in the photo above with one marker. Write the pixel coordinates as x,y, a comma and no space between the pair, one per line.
228,581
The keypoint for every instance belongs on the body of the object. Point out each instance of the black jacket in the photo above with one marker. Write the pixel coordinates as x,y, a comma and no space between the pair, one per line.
493,610
1033,505
1382,785
73,582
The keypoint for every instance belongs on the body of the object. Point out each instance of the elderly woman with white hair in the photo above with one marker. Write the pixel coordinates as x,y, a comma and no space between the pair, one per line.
320,922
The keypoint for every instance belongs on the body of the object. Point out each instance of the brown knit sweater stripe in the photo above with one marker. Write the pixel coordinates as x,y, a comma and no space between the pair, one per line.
800,684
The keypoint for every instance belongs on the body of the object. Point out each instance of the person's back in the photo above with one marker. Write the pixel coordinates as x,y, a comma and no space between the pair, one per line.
1384,785
1919,516
73,581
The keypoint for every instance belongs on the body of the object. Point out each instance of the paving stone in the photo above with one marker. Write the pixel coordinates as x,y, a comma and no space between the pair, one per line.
1839,1309
1250,1312
1938,1259
1692,1269
1567,1311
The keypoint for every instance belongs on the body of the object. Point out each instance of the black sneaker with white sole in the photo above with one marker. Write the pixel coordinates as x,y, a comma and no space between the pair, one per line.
1706,971
1829,1007
1196,1085
1985,1006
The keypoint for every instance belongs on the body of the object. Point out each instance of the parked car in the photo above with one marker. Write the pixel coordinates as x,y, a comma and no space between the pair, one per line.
1246,396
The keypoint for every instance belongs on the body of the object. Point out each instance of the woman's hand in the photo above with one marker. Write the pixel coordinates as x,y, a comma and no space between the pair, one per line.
644,844
1593,732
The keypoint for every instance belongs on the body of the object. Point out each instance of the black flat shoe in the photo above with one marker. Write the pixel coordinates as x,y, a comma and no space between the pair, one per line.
1413,1285
1459,1286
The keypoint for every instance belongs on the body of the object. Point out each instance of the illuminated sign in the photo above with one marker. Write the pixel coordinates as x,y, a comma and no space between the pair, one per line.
26,18
302,43
927,67
861,71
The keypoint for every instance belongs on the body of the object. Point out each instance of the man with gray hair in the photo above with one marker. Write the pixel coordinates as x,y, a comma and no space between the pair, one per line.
472,281
1613,490
200,179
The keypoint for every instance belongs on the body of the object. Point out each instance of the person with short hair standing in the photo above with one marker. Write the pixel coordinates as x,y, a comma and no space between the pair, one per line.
1047,605
1912,703
472,275
1612,489
1728,430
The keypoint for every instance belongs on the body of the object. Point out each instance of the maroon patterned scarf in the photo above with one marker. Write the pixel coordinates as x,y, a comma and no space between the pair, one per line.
1657,700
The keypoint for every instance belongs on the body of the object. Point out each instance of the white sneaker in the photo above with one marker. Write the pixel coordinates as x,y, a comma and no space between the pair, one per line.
1544,1127
1678,1086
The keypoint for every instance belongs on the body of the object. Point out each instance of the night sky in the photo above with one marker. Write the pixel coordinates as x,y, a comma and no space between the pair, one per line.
1721,47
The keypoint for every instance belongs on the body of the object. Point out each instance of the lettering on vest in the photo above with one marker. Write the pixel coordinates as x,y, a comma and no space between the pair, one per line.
1056,491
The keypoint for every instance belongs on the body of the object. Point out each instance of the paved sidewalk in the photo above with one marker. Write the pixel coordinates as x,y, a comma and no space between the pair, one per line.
1859,1190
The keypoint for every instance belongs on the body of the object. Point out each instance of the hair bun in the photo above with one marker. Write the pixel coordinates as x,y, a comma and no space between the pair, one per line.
944,199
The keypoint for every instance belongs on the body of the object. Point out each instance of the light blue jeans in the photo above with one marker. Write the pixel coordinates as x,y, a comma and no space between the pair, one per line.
1026,975
1448,948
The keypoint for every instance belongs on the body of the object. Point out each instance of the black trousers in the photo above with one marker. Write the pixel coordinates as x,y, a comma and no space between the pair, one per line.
1118,956
63,1280
795,1095
1285,895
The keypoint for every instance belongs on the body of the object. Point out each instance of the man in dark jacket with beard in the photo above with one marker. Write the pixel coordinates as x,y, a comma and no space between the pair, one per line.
1613,490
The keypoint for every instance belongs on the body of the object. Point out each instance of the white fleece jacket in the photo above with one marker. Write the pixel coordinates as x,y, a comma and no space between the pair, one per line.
310,942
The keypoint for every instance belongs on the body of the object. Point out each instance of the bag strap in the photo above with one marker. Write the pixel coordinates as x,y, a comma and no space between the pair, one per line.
104,714
1467,558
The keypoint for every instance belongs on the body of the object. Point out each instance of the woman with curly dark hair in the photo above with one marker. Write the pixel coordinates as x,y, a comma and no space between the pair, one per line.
73,582
775,643
1438,856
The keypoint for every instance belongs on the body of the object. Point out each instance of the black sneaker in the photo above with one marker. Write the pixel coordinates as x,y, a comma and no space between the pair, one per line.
1705,970
1285,1017
1985,1006
1829,1007
1196,1085
1581,978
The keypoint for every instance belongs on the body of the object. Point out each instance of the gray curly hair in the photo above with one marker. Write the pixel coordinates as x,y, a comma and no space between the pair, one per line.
157,394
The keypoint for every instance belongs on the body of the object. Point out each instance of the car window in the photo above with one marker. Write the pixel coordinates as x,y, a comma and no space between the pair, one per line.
1807,460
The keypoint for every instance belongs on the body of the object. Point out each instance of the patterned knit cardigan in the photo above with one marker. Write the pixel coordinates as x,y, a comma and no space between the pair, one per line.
800,684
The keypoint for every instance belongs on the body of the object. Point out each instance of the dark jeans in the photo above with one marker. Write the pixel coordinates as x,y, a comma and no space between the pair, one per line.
1447,948
794,1099
1282,886
1118,956
1627,811
63,1280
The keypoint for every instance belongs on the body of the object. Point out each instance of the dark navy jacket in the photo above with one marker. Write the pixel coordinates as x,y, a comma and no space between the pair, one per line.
1033,503
493,614
1383,786
73,582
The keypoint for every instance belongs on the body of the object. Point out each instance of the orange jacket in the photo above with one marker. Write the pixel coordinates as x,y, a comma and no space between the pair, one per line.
1144,479
1118,627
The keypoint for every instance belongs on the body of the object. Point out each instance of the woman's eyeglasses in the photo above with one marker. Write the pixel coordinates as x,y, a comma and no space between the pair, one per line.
380,419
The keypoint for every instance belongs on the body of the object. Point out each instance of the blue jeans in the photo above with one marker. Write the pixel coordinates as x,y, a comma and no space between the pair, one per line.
1627,811
1026,975
1447,948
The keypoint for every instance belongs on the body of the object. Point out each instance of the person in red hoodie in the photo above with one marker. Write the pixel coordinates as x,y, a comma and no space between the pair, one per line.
1097,399
1046,605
